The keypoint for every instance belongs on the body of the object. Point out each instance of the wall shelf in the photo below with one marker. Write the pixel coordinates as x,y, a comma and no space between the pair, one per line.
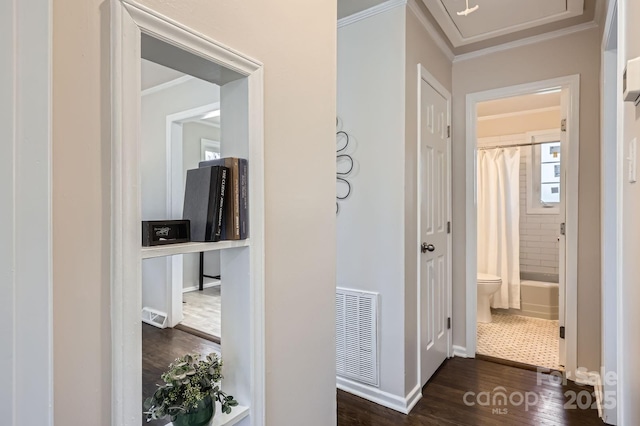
220,419
184,248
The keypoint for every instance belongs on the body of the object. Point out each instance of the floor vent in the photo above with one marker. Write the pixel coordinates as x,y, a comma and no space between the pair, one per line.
153,317
357,335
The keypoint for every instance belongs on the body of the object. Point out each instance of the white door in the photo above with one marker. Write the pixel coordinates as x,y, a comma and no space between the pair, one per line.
434,239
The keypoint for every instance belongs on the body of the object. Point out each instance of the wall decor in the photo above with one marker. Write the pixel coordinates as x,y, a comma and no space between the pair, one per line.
344,166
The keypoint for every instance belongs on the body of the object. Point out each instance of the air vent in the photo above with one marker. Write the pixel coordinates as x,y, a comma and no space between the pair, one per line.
357,335
153,317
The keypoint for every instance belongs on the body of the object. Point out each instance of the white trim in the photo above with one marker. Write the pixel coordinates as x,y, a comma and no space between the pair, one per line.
128,21
571,319
596,380
461,351
386,399
518,113
372,11
207,285
441,15
526,41
167,85
424,74
612,185
433,32
26,304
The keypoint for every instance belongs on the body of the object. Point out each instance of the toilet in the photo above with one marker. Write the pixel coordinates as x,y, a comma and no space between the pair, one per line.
487,285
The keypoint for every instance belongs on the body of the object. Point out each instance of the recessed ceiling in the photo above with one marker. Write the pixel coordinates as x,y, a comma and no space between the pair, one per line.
495,22
498,17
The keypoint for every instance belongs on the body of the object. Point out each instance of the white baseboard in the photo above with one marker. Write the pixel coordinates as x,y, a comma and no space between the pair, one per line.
370,393
460,351
206,285
599,391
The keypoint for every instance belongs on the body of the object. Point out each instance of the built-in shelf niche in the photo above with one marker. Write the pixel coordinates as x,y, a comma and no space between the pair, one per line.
138,32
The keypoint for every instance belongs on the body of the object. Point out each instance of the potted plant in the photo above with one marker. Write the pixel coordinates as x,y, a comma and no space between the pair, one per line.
191,389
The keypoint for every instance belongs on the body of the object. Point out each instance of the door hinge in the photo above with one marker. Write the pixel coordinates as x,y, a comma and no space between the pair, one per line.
448,323
448,227
562,332
563,229
563,125
448,131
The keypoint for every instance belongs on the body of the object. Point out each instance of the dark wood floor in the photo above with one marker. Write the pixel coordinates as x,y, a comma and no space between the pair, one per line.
443,400
159,348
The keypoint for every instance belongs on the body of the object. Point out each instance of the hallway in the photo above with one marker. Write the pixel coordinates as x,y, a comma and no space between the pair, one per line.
444,401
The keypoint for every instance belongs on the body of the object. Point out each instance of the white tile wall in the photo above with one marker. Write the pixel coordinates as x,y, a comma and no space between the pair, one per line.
539,247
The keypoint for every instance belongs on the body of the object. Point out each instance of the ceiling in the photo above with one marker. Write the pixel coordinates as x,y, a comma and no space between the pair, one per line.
516,104
153,75
496,21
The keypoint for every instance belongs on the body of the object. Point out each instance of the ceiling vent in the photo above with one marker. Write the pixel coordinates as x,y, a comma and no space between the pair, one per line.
357,335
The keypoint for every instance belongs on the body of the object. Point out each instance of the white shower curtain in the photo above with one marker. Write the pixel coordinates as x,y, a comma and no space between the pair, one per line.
498,222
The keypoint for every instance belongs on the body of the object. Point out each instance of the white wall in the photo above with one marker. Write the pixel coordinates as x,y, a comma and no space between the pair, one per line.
156,107
191,134
629,338
298,51
26,352
370,225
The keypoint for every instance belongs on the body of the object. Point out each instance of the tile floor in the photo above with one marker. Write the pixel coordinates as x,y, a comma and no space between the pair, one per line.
527,340
201,310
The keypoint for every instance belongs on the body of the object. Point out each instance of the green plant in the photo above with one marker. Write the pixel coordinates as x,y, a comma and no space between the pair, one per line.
188,382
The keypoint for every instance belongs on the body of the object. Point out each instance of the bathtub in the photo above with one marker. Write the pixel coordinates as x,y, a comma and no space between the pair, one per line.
538,299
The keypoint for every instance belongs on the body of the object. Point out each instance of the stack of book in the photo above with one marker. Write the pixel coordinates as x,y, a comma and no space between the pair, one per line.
216,200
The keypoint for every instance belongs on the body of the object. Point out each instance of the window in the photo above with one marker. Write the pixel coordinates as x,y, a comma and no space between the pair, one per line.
549,173
543,173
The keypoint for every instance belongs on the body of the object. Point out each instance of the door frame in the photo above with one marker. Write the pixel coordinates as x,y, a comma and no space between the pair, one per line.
175,196
572,83
425,75
612,169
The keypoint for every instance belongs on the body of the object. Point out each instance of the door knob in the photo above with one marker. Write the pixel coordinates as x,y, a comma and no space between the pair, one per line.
427,247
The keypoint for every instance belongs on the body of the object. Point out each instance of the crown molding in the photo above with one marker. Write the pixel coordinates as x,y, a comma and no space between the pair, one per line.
527,41
372,11
435,36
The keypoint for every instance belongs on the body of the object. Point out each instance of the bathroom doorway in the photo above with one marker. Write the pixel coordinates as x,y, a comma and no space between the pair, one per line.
521,280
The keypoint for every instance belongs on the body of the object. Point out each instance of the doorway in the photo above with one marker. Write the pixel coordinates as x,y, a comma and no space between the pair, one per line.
533,195
520,193
434,200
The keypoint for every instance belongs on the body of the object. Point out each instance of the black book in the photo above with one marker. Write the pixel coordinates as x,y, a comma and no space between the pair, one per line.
236,213
231,220
204,202
243,172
